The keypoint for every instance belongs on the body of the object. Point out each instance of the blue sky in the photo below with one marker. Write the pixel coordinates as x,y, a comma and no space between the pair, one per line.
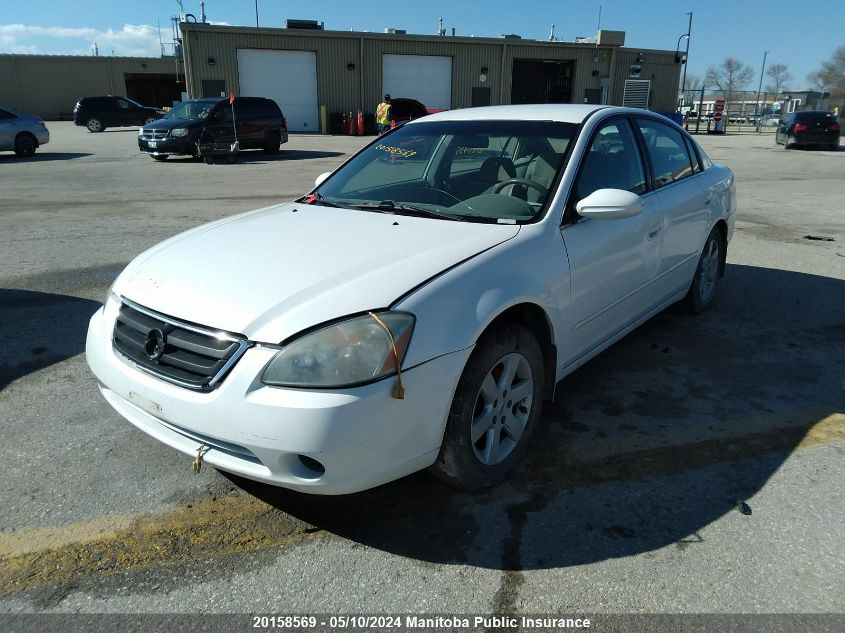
800,34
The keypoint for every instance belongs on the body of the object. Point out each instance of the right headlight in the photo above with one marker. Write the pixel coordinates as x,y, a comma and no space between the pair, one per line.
179,131
352,352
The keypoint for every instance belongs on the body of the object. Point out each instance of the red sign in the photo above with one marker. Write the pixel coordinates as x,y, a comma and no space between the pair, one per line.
717,116
719,106
231,98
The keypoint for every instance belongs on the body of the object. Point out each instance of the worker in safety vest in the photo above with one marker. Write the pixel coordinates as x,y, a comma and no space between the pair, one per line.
383,115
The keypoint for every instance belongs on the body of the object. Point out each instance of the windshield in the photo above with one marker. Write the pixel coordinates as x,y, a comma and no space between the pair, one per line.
468,170
191,110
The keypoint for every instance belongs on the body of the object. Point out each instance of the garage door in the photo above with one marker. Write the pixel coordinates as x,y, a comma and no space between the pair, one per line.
288,77
426,78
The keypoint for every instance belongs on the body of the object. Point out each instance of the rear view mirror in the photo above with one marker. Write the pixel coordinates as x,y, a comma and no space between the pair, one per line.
321,178
610,204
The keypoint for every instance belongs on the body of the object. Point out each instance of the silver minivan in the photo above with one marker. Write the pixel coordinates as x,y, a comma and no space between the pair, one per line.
21,133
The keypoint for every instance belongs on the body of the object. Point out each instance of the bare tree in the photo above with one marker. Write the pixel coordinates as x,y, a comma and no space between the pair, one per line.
831,75
692,88
729,77
780,76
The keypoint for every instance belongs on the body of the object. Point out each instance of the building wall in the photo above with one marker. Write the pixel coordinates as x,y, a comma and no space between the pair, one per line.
341,89
49,86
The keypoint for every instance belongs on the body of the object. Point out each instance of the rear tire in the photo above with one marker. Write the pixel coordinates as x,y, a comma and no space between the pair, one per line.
788,142
95,126
25,145
272,143
494,410
161,158
702,290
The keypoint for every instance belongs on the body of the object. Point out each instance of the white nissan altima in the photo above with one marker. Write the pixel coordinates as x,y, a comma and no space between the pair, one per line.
418,306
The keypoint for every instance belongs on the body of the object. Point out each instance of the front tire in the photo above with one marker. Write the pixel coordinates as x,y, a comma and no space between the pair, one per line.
702,290
161,158
95,125
494,410
25,145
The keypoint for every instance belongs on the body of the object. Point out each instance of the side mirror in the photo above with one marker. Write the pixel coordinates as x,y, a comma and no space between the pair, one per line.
321,178
610,204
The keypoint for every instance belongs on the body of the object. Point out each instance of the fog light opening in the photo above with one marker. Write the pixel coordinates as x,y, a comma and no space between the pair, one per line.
315,468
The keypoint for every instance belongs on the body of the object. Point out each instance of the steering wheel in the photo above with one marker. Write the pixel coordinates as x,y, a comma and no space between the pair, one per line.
519,181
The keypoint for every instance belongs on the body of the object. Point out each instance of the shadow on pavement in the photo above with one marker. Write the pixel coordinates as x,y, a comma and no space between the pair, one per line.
38,329
41,156
647,444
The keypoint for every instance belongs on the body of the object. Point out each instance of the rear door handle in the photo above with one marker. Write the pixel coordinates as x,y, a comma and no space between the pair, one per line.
654,233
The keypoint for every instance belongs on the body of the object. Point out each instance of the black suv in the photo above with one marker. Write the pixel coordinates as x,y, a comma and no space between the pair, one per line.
182,131
98,113
809,127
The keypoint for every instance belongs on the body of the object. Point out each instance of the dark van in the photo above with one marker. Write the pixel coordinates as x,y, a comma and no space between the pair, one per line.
98,113
259,122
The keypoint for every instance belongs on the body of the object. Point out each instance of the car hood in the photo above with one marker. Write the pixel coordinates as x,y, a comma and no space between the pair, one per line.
169,124
271,273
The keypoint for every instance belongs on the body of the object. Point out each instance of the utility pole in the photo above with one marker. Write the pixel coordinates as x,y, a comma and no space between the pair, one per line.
759,88
256,13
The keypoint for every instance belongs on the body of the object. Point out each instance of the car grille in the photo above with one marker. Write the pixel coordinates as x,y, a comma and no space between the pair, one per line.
154,135
187,355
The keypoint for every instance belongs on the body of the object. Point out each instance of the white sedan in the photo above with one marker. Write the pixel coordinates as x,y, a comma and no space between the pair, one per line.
417,308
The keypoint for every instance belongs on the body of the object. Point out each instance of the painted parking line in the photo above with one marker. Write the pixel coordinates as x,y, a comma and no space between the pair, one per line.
242,523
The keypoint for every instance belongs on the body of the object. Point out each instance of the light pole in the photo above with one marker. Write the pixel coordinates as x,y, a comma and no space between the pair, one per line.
256,13
759,88
686,58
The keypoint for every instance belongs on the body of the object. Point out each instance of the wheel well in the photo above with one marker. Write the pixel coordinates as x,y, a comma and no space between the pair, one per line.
533,318
723,229
29,135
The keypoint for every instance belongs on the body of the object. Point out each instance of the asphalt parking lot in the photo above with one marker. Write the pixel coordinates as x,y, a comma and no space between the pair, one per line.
626,503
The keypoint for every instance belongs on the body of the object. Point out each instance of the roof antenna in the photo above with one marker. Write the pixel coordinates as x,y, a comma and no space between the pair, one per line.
552,37
441,31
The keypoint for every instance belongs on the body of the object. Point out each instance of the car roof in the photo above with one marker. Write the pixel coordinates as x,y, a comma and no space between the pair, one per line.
564,113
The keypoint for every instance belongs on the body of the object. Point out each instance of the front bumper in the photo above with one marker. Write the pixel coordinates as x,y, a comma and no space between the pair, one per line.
362,436
167,146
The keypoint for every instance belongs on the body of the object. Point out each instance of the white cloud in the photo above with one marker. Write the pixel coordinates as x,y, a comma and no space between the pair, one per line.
132,40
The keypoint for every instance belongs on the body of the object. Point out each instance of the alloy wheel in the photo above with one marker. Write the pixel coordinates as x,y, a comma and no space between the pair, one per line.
502,409
708,273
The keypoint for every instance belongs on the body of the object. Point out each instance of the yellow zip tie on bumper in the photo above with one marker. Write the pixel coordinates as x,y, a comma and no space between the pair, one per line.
398,389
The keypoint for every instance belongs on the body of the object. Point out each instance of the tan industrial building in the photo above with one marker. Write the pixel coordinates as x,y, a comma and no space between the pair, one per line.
309,69
50,85
304,69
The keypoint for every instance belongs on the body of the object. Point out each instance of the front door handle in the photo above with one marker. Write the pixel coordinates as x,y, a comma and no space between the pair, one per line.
654,233
708,199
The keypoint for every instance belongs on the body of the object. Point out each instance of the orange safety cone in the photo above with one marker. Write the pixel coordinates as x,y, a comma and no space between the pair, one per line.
360,123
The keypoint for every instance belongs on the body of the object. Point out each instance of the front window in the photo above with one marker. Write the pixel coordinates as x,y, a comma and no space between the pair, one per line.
191,110
484,171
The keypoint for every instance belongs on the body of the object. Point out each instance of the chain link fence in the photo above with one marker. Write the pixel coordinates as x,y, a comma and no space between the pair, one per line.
745,110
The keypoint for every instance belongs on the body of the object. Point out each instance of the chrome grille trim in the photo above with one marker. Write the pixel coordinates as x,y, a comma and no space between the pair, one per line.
204,382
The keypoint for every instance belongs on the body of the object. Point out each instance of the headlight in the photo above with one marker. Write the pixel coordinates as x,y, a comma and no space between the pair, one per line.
140,131
179,131
351,352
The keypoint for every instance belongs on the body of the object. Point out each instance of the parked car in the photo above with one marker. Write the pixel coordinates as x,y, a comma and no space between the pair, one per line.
99,113
260,125
21,133
808,127
402,110
416,311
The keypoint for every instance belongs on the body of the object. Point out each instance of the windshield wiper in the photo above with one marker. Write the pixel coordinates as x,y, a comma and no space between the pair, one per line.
317,198
388,206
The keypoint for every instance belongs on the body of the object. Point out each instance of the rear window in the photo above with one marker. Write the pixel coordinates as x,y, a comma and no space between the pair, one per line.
815,117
